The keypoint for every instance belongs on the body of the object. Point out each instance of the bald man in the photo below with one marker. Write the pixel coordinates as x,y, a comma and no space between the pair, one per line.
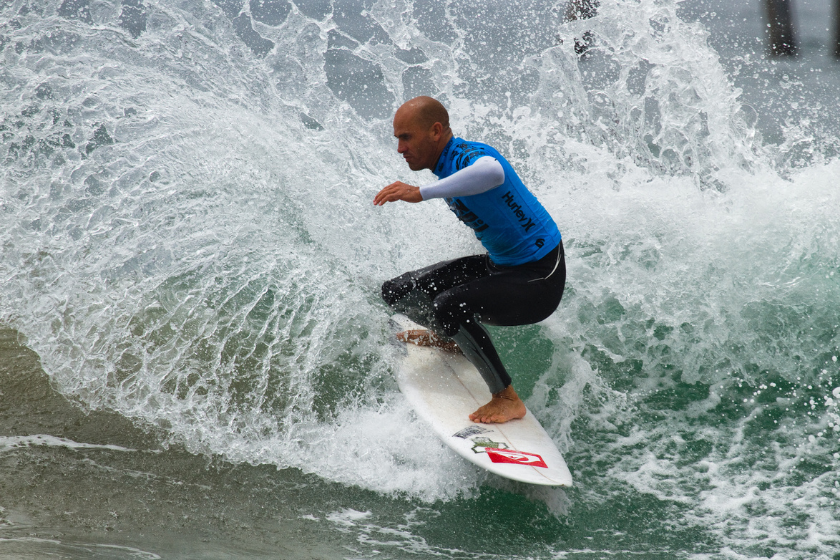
518,282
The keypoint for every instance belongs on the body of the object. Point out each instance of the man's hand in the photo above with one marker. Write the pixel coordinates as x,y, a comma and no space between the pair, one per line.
398,191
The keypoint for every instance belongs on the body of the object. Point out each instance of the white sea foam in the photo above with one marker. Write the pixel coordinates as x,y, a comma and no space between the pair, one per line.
11,443
210,262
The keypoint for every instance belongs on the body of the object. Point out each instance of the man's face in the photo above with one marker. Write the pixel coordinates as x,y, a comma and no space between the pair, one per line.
418,145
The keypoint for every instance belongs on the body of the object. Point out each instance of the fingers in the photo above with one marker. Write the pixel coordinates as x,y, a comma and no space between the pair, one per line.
391,193
397,191
387,194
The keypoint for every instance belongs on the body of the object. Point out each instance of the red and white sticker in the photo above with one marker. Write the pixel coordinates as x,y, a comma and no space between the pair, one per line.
518,457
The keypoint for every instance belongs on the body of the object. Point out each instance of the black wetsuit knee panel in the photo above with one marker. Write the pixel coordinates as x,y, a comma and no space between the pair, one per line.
396,289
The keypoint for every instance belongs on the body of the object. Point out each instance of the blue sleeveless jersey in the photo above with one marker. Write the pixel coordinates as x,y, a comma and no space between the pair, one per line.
508,220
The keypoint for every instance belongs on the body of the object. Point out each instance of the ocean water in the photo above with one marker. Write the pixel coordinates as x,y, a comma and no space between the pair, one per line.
195,362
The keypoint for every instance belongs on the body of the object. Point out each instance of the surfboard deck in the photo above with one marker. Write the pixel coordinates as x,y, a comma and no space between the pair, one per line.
444,388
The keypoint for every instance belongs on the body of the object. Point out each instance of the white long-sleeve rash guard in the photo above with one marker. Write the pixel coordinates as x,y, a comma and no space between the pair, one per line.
485,174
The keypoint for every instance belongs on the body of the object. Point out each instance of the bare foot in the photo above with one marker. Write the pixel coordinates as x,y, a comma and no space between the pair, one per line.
423,337
505,405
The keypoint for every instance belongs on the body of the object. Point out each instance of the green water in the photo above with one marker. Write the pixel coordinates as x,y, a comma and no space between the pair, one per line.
195,361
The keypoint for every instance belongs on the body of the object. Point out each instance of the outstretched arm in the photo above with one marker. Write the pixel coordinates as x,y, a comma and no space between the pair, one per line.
484,174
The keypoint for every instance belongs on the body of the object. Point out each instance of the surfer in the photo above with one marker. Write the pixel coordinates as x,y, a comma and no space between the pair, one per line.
518,282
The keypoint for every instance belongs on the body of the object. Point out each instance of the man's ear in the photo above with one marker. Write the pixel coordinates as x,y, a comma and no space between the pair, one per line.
437,130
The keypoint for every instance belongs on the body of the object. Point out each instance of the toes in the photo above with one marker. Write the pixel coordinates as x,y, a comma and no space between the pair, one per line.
479,416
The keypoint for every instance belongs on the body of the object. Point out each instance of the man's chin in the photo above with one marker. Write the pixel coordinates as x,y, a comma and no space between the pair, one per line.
414,166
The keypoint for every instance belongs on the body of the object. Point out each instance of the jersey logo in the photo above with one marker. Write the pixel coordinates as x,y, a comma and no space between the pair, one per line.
517,211
469,154
517,457
466,215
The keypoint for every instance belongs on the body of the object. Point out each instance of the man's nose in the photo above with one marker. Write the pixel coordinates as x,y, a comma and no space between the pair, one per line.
401,148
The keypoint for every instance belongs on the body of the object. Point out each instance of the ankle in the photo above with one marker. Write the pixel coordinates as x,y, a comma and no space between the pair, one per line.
508,393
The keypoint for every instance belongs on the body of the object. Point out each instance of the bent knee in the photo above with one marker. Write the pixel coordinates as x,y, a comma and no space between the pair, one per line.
396,289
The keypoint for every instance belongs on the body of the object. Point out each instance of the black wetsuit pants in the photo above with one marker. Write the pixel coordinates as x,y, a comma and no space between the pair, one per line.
453,298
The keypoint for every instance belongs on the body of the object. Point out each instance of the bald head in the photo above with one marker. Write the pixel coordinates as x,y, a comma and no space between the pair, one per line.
421,125
425,112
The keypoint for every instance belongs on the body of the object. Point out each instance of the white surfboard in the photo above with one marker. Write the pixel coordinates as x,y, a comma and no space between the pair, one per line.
444,388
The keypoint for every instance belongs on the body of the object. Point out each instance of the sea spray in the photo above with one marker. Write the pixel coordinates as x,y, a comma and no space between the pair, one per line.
188,239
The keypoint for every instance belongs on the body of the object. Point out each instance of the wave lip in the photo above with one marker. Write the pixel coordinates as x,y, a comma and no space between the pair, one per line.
187,238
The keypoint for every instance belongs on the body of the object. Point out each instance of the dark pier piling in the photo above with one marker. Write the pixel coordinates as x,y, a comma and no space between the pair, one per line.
780,27
837,28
